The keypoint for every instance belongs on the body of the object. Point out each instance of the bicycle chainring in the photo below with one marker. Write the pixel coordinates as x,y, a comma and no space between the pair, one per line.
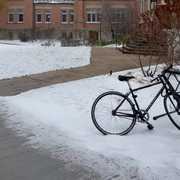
144,117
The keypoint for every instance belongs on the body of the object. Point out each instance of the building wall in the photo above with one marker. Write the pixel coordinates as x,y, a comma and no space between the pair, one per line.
128,4
26,6
80,24
105,26
55,10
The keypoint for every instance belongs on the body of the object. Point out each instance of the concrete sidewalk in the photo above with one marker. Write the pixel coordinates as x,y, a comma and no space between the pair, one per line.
102,61
21,162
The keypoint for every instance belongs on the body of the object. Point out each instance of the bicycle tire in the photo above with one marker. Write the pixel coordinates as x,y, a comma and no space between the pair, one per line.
110,96
171,108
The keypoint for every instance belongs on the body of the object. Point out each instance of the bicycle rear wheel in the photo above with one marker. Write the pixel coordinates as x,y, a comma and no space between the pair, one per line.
113,113
172,108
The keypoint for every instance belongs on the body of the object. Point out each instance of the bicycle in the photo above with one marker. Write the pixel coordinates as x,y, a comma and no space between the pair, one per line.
123,113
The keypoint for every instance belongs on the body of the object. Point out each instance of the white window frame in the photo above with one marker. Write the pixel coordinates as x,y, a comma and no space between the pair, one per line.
121,15
94,13
71,14
13,21
45,16
66,13
18,17
39,13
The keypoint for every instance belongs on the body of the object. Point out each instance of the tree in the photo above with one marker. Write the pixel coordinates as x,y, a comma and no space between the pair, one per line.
169,18
153,48
161,28
115,21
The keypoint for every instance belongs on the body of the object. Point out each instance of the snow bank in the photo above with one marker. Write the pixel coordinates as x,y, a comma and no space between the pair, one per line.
19,59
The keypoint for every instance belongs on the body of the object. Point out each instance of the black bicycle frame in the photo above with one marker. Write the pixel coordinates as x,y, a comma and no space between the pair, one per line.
137,108
166,85
136,105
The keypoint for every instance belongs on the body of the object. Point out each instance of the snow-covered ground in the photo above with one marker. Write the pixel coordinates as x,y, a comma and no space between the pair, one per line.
60,115
19,59
113,46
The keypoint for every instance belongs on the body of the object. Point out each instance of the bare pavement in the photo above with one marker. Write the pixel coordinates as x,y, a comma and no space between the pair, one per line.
18,161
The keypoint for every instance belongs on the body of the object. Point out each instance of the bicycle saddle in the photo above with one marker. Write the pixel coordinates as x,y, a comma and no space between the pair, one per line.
125,78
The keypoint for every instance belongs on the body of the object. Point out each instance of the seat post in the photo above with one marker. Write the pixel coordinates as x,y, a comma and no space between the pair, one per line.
129,85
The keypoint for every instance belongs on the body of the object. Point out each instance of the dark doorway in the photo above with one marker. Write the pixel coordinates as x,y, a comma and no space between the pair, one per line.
93,37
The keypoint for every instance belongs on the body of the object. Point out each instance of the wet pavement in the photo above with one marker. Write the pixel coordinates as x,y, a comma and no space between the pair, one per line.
19,161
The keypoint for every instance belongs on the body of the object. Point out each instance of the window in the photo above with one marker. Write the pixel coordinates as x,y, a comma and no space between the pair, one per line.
11,18
89,17
93,15
43,16
15,16
64,16
20,18
39,18
67,16
71,16
119,15
48,17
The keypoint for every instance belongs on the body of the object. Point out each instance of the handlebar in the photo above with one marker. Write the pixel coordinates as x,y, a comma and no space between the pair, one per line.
167,69
163,72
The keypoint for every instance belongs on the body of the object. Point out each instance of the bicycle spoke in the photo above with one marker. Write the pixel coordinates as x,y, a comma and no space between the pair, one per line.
125,115
173,112
105,117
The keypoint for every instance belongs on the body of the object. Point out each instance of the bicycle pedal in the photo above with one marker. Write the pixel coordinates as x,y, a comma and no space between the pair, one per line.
150,126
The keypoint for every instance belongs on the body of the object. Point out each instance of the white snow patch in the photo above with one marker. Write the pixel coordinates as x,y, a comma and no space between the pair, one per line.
113,46
19,59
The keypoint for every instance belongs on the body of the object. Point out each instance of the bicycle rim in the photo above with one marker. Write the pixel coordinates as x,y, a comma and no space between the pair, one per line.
172,110
103,118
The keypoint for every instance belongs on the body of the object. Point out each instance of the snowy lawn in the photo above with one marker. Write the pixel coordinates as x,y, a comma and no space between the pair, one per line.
19,59
113,46
60,114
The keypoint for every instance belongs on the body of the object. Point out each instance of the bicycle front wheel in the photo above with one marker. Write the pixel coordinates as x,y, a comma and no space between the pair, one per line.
172,108
113,113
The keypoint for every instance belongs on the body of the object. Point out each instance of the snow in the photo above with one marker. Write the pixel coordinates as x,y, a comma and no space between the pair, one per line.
113,46
60,114
19,59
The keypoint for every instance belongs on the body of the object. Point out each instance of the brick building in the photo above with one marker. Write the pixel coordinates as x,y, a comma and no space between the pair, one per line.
77,19
16,16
